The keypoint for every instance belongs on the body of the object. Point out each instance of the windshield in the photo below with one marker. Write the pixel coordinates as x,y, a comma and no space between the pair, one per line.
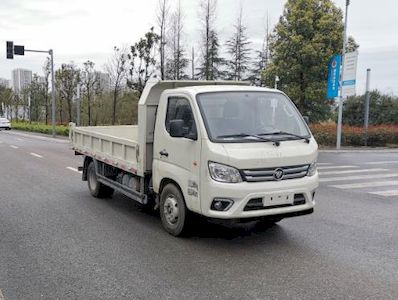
244,116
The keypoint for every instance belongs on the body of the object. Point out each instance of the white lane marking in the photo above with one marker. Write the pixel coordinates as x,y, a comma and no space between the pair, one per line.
342,178
337,167
382,162
352,171
14,147
1,296
21,140
73,169
386,193
365,185
323,164
36,155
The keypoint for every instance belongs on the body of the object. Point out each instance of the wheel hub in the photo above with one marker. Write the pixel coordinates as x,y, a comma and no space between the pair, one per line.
92,180
170,209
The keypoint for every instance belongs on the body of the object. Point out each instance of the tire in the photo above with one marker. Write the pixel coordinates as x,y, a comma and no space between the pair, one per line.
173,211
97,189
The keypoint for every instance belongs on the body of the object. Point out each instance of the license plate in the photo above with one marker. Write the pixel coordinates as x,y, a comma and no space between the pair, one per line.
278,199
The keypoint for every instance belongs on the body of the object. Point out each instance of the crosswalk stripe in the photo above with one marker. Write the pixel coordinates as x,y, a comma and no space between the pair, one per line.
366,185
386,193
374,176
382,162
352,171
337,167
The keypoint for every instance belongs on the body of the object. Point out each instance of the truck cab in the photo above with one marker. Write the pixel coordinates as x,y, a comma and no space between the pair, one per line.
223,150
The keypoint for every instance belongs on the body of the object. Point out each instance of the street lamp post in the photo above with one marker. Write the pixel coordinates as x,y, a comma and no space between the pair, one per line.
340,117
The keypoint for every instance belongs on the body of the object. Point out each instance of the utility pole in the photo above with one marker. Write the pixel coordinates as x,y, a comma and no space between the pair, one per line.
340,117
367,100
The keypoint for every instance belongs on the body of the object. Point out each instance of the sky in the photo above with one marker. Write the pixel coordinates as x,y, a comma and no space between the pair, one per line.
79,30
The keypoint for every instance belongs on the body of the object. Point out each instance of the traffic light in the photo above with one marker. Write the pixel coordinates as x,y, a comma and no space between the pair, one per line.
10,50
19,50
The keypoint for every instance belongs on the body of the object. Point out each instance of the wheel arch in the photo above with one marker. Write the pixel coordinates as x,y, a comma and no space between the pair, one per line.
165,181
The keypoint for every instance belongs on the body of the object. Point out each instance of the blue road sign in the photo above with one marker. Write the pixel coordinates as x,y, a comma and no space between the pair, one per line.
333,77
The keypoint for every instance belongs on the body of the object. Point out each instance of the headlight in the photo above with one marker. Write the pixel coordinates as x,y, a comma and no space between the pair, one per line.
224,173
312,169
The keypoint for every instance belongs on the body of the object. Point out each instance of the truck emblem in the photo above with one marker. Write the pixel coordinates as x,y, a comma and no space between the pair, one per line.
278,174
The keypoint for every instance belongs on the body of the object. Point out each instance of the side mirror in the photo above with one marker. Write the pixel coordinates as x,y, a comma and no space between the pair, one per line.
306,119
177,128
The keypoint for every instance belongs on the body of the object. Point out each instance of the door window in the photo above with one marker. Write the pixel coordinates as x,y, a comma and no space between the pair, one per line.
180,109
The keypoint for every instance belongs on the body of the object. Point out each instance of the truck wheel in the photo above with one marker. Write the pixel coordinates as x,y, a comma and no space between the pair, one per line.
173,211
97,189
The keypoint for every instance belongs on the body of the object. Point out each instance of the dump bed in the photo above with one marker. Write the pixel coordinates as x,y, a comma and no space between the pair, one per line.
114,145
131,147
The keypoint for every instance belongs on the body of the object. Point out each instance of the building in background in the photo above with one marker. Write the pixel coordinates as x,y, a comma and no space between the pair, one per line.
21,78
5,82
104,81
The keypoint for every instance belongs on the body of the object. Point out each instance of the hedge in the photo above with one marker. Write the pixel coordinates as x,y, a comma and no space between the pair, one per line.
325,134
378,135
40,128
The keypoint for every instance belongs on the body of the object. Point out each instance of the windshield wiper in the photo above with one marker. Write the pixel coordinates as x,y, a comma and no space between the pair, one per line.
307,140
238,135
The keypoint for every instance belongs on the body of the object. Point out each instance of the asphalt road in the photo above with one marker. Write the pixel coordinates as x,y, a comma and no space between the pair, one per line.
57,242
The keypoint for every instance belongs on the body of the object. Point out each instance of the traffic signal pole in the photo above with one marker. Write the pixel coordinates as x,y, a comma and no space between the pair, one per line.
20,50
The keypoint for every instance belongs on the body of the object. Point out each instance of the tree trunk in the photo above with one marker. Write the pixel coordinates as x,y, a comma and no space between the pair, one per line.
114,107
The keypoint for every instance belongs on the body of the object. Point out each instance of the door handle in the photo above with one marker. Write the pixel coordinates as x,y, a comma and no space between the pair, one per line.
164,153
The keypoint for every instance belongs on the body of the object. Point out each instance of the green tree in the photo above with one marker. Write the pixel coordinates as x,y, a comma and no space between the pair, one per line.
211,62
239,51
47,73
142,61
117,70
177,63
37,94
307,35
6,101
383,109
89,80
67,79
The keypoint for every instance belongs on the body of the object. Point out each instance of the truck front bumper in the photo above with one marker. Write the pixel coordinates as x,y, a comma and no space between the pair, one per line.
262,195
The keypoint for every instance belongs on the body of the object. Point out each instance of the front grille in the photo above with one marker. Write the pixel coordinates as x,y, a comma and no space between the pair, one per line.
291,172
257,203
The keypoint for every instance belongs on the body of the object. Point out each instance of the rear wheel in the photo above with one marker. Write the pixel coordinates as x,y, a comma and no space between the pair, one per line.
97,189
173,211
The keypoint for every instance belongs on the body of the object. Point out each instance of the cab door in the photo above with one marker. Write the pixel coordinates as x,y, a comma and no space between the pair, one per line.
178,158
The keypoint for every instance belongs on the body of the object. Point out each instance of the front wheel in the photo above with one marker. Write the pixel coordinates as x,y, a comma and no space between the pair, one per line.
97,189
173,211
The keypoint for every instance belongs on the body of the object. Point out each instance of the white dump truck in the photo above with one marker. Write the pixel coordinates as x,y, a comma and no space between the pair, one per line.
221,149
